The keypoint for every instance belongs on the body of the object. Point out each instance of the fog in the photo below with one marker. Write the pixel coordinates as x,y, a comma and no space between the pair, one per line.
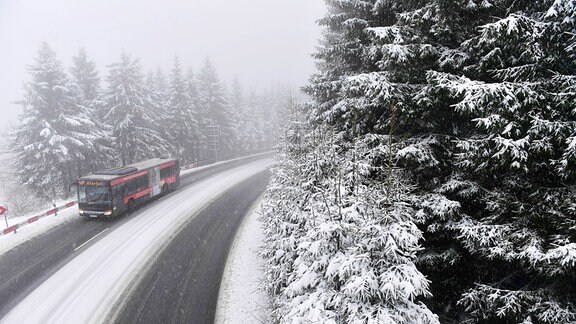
259,41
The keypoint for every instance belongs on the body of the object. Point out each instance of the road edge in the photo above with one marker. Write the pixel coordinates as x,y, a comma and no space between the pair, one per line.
241,298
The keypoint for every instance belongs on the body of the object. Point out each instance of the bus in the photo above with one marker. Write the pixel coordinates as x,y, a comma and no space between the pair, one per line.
113,192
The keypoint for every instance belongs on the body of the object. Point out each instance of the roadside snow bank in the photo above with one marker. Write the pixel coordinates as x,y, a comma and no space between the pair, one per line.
241,299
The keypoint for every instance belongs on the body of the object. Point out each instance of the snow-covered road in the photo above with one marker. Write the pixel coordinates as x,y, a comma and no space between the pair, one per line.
86,289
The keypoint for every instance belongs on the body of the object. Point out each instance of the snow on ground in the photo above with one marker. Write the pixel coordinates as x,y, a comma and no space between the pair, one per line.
28,232
85,289
241,299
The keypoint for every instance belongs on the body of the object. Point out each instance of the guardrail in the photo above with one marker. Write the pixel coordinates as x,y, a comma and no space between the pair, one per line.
53,211
56,209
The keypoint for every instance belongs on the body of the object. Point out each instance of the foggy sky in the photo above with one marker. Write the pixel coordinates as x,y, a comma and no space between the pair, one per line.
260,41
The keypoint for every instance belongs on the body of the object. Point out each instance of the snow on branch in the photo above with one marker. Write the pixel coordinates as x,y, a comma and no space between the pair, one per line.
515,24
477,97
485,302
419,155
391,34
564,9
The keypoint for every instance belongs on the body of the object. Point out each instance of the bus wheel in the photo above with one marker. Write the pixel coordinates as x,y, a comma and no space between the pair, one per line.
164,189
130,205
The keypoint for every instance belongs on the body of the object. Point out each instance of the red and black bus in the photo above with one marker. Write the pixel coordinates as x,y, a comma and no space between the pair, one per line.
112,192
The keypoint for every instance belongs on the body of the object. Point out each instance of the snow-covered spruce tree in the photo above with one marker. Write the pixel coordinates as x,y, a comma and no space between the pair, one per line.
131,114
341,53
157,87
56,129
244,119
407,41
182,116
274,111
87,80
256,108
511,195
340,239
214,110
85,75
481,109
479,96
192,88
238,113
157,93
201,146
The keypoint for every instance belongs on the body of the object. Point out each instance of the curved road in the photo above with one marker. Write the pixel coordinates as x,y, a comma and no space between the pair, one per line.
182,284
138,258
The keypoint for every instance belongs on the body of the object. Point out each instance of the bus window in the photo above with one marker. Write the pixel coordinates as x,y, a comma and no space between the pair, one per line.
93,195
166,172
119,191
81,194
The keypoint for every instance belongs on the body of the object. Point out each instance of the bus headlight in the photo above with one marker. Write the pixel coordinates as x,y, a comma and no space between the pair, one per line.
108,213
81,212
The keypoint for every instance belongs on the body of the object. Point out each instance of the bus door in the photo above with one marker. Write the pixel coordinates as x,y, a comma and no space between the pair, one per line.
155,180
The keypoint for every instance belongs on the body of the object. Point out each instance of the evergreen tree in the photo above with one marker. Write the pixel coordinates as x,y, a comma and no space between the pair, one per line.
275,113
479,109
214,110
200,147
255,131
245,114
192,88
86,79
341,53
340,242
182,118
131,113
512,194
157,86
56,129
238,113
158,95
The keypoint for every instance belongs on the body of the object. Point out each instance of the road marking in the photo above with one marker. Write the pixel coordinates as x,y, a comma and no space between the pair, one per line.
95,236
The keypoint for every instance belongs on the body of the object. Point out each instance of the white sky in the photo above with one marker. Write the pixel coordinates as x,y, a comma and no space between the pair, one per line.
260,41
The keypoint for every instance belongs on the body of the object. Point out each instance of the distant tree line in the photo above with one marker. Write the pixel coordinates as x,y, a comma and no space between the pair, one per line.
73,123
433,179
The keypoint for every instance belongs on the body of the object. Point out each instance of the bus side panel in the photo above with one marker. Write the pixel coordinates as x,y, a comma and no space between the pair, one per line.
155,180
138,190
177,173
119,207
170,177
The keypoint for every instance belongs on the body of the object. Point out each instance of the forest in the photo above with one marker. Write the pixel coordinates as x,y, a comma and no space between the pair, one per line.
75,122
432,177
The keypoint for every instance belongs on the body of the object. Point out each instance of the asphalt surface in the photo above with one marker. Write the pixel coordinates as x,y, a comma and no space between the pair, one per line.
22,269
28,265
182,285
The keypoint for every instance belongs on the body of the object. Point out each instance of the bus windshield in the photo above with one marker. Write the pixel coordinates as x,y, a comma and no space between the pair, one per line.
93,195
